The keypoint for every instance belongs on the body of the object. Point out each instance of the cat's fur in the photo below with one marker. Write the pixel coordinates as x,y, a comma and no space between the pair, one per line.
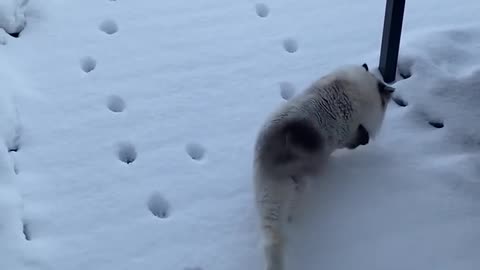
343,109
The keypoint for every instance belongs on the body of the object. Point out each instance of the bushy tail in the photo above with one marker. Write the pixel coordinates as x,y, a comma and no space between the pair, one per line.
279,151
272,194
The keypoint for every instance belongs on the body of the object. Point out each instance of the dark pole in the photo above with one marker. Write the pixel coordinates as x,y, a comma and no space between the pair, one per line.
392,30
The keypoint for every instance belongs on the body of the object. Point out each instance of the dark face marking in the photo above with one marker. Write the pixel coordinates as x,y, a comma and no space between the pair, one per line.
365,66
362,135
361,138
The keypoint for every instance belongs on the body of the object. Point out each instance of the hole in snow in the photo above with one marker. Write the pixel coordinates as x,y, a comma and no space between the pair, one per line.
115,103
404,68
405,75
158,206
109,27
195,151
287,90
127,152
399,101
14,147
290,45
88,64
15,168
262,10
26,231
14,144
436,124
15,35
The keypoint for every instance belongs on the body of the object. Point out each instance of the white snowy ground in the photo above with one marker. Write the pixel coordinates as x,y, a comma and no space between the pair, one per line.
181,87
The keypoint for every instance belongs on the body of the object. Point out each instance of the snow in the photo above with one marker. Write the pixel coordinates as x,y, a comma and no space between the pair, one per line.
12,15
128,130
3,37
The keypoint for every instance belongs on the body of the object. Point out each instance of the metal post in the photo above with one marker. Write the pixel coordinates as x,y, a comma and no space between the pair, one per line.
392,30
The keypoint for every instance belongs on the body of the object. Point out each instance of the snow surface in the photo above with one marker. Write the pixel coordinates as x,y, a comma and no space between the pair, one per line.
12,15
128,130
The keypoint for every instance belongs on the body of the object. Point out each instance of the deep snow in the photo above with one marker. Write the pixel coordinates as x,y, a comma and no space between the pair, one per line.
128,131
12,15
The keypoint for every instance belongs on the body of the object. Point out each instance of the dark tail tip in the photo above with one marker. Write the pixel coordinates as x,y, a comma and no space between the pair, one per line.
302,134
